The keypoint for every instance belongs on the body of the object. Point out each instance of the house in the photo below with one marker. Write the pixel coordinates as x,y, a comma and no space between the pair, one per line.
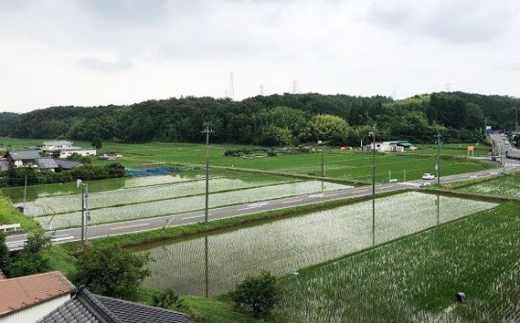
53,147
87,307
85,152
23,158
29,298
46,164
67,164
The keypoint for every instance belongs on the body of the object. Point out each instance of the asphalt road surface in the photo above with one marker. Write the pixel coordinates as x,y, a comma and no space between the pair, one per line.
16,242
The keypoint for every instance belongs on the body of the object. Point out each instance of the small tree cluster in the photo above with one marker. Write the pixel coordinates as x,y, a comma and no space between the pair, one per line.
111,271
259,293
31,260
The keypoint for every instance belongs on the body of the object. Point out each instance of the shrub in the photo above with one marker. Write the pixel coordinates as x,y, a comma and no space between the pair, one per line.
260,293
111,271
167,299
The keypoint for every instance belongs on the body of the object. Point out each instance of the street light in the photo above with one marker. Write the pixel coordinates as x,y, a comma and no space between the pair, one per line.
84,211
372,134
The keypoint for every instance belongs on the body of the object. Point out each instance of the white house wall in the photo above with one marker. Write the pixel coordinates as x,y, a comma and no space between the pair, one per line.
36,312
85,153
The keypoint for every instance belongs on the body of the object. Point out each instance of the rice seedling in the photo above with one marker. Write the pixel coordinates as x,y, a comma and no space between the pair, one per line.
180,205
415,279
284,246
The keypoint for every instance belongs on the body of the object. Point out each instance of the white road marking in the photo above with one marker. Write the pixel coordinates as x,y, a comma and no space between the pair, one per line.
195,217
315,196
131,226
292,201
253,206
62,238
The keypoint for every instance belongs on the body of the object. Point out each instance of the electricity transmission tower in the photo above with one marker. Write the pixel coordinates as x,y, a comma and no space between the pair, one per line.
231,93
295,87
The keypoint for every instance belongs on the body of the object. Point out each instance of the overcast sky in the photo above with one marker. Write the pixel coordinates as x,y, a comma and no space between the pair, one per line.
98,52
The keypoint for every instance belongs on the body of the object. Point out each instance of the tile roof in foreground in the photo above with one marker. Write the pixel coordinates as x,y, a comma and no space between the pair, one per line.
86,307
19,293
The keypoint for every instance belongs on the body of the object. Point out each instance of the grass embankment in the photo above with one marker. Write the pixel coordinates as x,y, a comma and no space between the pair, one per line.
10,215
416,278
207,310
346,165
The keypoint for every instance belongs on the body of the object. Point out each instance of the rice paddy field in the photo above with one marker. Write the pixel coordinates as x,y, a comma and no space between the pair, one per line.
146,197
284,246
504,186
416,279
349,165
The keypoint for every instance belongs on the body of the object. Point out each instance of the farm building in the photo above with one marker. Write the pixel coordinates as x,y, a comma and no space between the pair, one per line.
393,146
29,298
85,152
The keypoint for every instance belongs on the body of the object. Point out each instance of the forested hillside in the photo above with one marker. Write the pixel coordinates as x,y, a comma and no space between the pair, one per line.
273,120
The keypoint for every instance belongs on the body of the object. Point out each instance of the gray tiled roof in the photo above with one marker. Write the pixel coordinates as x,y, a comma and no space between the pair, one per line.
24,154
66,163
46,163
4,165
86,307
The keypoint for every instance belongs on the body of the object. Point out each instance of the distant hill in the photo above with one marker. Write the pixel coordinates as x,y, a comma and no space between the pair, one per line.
273,120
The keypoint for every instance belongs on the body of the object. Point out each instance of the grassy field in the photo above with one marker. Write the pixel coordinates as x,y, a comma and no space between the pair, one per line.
341,165
453,149
415,279
508,185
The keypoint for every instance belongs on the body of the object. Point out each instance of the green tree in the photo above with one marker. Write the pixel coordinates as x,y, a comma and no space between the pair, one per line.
330,128
111,271
32,259
97,142
4,253
167,299
260,293
276,136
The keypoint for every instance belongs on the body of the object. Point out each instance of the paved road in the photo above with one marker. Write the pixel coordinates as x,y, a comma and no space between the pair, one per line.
16,242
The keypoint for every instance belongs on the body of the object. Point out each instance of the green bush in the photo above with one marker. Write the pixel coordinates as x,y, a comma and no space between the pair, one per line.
260,293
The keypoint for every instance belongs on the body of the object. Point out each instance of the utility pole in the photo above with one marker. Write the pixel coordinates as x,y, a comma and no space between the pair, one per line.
24,194
516,120
373,135
84,211
437,166
207,131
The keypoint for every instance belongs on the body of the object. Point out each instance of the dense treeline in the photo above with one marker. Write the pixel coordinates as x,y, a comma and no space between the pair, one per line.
272,120
16,176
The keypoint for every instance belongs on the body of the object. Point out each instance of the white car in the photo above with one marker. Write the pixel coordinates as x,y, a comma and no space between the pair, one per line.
428,176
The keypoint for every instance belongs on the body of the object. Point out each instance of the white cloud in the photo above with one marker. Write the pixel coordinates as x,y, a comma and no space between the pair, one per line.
93,52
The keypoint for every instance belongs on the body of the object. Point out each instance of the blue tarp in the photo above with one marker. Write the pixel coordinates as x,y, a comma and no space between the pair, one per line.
141,172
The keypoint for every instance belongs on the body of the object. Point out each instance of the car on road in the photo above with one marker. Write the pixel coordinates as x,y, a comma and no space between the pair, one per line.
428,176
